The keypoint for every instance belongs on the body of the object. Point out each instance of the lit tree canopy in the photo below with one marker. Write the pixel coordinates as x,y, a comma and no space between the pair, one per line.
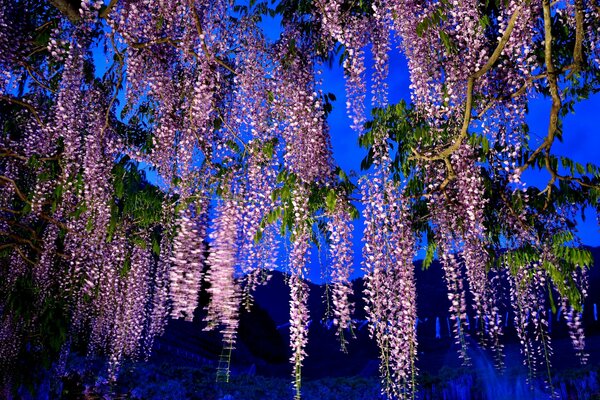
234,124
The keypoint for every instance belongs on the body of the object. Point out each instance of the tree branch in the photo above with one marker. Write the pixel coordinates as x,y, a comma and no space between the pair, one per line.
17,190
556,103
26,105
4,152
577,51
108,9
68,8
205,49
30,72
21,240
447,152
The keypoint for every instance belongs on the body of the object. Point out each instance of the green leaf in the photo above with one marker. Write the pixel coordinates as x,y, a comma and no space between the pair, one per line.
447,42
331,200
429,254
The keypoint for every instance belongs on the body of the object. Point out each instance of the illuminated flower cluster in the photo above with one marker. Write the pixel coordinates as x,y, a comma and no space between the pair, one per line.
69,122
131,311
260,183
471,202
186,271
340,250
13,43
527,287
390,293
223,308
574,318
298,264
159,302
449,252
308,149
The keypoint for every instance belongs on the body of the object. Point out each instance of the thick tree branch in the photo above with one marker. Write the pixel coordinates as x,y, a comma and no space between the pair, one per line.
69,8
553,84
448,151
577,51
108,9
556,104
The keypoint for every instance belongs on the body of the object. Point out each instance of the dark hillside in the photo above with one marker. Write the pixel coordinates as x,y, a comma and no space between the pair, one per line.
264,333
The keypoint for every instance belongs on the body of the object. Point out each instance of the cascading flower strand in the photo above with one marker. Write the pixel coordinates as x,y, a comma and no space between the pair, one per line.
186,271
340,250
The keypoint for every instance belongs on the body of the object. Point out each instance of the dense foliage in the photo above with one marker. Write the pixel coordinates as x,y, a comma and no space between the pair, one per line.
95,258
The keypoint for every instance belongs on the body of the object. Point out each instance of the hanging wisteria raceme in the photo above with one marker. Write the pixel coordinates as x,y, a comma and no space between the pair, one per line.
9,348
97,165
381,42
531,318
107,300
307,143
390,286
95,197
45,272
419,50
298,264
159,304
225,292
257,204
352,32
69,122
222,262
446,222
15,42
574,317
470,208
390,292
197,131
186,271
591,16
576,332
131,312
340,250
253,114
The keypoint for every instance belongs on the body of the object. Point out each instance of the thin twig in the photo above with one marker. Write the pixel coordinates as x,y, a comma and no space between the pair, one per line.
4,152
26,105
23,256
21,240
17,190
577,50
205,49
30,72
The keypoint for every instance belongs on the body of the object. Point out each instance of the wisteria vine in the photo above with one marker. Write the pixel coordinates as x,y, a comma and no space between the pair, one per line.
200,145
